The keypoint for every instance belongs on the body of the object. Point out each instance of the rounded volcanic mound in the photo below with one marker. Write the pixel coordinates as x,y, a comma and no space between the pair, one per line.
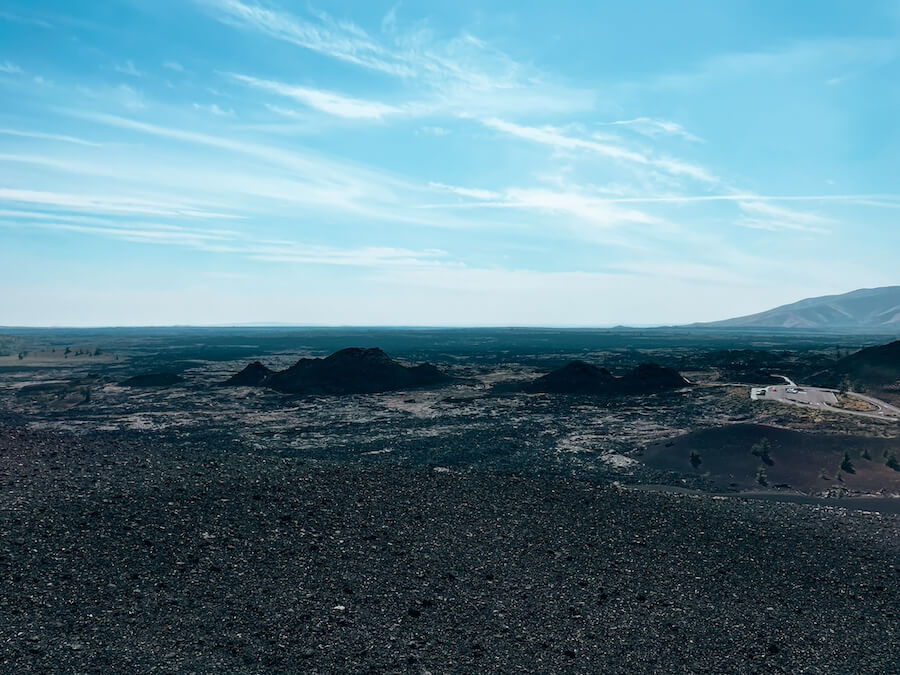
354,370
873,370
576,377
649,378
254,375
579,377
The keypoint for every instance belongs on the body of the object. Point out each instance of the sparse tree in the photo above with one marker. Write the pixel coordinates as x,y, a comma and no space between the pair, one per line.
761,477
846,464
696,460
865,454
761,449
892,462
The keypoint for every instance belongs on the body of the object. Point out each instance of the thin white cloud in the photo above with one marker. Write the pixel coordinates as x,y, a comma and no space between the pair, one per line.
879,200
128,68
822,56
654,127
10,68
299,176
462,74
105,204
590,209
344,42
325,101
174,66
49,137
553,137
129,97
235,243
435,131
557,139
29,21
214,109
763,215
474,193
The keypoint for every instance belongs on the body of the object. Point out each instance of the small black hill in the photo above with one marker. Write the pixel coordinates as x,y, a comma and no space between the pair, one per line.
578,377
354,370
254,375
649,378
874,369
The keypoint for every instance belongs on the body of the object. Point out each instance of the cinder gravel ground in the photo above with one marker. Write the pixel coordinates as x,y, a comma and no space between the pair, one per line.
143,557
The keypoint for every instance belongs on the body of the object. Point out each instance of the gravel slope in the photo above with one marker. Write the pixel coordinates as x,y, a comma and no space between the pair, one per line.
143,557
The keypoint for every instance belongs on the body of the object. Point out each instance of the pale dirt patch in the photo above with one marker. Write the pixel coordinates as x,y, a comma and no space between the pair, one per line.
618,461
852,403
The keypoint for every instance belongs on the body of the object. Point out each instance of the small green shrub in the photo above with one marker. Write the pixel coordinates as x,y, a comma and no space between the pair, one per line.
846,464
761,449
696,460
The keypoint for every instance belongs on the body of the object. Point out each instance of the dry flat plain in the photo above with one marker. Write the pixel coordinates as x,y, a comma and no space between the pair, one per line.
469,526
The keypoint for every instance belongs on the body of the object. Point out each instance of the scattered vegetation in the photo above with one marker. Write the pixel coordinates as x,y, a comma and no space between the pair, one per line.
847,402
696,460
761,477
892,462
846,464
761,449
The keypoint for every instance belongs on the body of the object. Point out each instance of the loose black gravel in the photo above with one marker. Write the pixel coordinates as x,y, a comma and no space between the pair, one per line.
144,557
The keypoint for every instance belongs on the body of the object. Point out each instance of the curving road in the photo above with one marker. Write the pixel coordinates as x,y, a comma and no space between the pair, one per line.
822,398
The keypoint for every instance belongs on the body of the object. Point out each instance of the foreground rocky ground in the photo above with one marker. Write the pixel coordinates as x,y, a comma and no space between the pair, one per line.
143,556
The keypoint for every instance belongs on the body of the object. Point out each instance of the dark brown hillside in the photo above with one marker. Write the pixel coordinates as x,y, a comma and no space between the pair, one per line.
254,375
349,371
733,455
579,377
874,370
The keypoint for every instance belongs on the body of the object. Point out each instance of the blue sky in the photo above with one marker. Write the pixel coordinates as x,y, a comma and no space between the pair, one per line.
466,163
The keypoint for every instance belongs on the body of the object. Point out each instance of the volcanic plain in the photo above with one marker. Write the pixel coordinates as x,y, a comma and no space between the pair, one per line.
461,516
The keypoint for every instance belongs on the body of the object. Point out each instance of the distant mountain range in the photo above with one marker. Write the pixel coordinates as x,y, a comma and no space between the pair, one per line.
866,309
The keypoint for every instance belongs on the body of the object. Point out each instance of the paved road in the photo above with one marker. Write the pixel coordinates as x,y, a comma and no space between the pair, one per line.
817,397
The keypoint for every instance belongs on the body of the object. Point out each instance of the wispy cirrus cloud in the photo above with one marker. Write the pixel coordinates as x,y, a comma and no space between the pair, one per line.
213,109
554,137
326,101
48,137
762,215
10,68
128,68
106,203
230,242
26,20
460,74
343,41
559,140
174,66
280,178
654,127
830,57
586,208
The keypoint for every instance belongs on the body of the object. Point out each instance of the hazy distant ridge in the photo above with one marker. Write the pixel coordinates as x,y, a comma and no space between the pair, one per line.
866,308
